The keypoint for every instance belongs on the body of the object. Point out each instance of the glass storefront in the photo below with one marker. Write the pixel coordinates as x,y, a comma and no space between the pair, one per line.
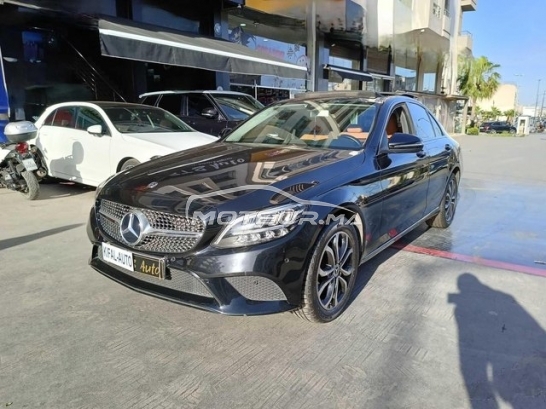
336,82
267,88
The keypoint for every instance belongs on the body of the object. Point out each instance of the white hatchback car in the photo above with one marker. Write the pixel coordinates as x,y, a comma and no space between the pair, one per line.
86,142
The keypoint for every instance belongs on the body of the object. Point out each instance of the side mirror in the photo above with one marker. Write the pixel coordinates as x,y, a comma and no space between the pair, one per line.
224,132
95,130
403,142
210,113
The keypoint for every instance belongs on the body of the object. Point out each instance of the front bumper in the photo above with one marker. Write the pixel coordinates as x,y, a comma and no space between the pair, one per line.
262,279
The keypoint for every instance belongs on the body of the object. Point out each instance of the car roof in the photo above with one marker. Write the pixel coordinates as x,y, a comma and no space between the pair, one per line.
212,92
378,96
101,104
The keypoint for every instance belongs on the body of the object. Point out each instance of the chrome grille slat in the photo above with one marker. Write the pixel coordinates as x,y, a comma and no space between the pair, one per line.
111,213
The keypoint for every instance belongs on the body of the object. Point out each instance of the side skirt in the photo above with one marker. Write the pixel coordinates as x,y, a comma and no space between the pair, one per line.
400,235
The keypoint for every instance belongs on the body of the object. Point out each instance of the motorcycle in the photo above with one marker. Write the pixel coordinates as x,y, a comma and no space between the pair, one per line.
20,167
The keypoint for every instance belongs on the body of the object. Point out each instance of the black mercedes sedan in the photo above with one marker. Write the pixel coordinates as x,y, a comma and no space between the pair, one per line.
279,214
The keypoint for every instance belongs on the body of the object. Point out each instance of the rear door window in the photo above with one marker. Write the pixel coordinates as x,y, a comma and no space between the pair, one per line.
436,126
50,117
65,117
171,103
421,120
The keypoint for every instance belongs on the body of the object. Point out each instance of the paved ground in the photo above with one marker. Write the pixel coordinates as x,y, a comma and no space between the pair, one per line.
422,331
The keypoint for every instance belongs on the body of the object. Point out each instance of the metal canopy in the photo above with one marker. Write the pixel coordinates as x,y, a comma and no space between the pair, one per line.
157,45
347,73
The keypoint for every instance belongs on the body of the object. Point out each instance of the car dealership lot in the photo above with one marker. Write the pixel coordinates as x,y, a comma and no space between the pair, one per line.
420,331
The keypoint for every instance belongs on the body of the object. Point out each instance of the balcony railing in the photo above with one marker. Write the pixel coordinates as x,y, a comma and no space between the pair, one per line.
436,10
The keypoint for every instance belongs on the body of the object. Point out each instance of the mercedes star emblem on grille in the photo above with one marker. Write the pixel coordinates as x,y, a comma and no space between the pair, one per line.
133,226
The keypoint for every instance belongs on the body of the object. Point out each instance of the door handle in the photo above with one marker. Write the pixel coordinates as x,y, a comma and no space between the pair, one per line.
421,154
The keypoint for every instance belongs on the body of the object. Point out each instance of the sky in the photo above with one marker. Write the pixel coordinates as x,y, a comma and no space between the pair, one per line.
512,34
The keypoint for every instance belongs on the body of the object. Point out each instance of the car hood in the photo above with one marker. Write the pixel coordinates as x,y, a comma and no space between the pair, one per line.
228,176
173,140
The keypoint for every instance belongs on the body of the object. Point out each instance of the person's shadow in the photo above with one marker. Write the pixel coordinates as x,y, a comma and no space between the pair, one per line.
502,348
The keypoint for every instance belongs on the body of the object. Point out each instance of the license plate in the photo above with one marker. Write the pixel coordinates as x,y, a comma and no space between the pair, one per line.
128,260
29,164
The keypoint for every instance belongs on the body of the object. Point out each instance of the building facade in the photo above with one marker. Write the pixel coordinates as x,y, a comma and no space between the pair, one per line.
118,49
504,99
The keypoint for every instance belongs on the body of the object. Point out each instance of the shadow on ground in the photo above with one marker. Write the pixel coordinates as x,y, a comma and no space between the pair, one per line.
502,348
17,241
56,190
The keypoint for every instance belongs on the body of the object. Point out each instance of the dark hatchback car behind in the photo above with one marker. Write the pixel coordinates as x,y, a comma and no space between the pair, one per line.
280,214
497,127
212,112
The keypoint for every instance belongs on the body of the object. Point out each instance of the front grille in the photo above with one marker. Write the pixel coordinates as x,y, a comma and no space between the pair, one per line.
176,280
111,213
257,288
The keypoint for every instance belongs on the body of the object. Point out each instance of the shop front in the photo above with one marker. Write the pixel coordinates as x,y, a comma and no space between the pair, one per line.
59,50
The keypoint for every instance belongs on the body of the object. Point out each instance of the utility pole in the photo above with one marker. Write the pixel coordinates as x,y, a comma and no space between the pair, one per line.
516,106
536,105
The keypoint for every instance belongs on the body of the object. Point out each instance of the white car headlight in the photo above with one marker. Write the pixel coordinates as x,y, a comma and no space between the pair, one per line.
259,227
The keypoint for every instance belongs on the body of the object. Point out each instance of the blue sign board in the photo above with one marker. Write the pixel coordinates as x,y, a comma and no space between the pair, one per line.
4,101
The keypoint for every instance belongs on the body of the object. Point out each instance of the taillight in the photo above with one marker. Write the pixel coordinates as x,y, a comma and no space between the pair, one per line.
21,148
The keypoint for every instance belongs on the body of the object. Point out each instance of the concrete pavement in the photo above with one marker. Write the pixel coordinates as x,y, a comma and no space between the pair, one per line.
421,332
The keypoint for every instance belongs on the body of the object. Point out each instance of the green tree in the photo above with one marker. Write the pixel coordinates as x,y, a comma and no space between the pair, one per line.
496,113
488,115
510,115
478,79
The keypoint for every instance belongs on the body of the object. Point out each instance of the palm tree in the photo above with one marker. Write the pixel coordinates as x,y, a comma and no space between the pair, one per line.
496,113
510,115
478,79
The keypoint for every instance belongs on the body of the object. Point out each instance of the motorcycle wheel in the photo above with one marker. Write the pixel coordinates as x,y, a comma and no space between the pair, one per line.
33,187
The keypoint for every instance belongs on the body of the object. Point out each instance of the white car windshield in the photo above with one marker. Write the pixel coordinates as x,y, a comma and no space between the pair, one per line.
343,123
144,120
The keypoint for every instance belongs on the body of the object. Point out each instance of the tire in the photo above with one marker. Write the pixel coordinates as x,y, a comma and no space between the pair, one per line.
492,131
33,187
512,131
326,275
129,163
448,206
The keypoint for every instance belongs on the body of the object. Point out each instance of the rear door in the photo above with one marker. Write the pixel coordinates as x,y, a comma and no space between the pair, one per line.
56,144
171,103
439,149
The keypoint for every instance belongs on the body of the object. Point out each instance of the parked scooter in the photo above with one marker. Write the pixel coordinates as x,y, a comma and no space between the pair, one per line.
19,169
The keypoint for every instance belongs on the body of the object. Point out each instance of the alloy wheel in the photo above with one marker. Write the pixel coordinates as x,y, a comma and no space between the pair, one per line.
450,202
335,271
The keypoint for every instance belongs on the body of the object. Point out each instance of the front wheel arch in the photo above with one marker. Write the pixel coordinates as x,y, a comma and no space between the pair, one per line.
314,307
125,160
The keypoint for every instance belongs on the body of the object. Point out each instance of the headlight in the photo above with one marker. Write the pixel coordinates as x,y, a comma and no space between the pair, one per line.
259,227
102,184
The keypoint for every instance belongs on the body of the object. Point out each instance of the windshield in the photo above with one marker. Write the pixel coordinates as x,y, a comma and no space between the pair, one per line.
237,107
144,120
332,123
